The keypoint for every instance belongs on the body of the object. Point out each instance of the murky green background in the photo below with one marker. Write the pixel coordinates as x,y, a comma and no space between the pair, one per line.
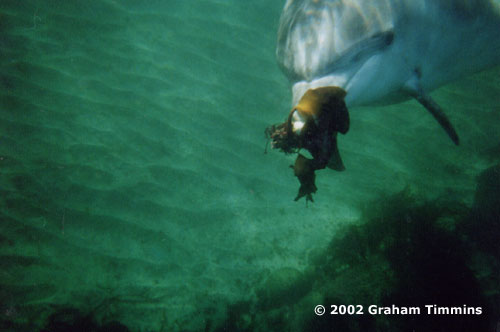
133,180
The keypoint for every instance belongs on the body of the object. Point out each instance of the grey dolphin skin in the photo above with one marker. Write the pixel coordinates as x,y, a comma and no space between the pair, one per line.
343,53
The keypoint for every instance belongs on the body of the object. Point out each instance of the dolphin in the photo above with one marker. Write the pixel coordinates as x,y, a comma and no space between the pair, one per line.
343,53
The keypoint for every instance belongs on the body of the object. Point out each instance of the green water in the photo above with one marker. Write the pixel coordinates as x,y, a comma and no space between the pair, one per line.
134,185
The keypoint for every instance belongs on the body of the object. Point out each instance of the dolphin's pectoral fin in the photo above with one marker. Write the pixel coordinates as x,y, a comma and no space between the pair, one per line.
439,115
413,88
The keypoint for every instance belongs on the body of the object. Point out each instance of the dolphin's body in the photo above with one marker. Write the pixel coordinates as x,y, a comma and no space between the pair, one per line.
386,51
344,53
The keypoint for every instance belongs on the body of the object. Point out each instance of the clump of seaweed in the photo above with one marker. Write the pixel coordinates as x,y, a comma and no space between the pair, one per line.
405,251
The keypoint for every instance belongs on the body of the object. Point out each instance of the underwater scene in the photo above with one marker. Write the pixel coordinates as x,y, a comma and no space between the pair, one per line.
140,191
